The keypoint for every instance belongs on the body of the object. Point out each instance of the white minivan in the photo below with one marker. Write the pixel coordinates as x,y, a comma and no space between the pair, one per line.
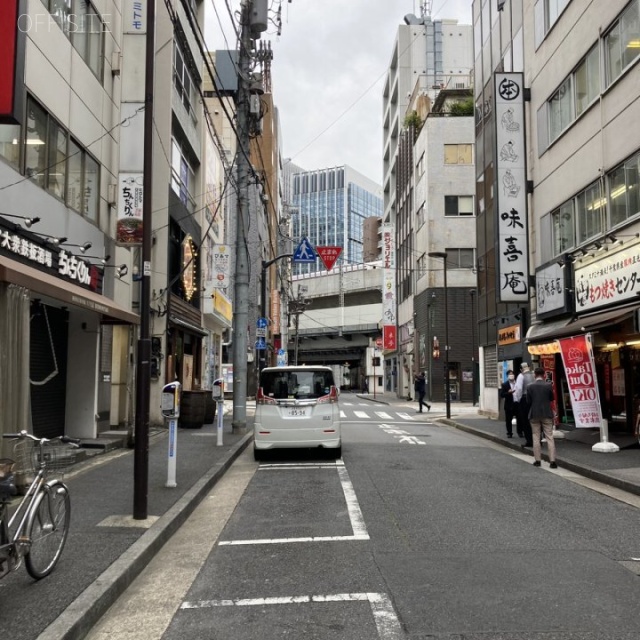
297,407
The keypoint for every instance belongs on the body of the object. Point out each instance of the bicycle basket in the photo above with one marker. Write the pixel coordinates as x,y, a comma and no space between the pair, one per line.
56,456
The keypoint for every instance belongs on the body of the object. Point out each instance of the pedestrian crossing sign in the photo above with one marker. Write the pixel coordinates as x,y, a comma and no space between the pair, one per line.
305,252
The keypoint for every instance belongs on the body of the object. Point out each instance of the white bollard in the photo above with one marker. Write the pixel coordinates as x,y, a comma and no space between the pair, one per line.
604,446
220,404
173,445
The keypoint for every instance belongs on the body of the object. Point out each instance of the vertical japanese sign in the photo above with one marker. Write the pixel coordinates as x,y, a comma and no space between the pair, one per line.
511,193
129,223
12,38
580,370
221,265
134,16
388,288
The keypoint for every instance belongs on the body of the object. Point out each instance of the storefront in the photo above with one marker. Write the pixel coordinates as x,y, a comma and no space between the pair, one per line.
604,305
59,336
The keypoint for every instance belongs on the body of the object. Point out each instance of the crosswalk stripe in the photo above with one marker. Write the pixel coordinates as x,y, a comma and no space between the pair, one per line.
343,414
405,416
361,414
383,415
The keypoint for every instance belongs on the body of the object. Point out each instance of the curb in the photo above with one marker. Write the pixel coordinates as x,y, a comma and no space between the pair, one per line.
372,399
81,615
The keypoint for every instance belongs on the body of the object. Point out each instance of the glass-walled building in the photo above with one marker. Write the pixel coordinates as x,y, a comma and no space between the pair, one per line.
329,208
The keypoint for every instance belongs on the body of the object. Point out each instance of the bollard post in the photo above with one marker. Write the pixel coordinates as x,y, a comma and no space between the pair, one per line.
220,414
171,411
173,445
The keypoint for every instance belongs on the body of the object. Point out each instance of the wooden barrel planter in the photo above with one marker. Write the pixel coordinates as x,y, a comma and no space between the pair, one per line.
209,409
192,409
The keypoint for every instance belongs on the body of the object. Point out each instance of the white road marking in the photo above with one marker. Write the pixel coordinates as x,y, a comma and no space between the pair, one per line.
384,615
410,439
300,465
353,508
346,404
404,416
362,414
383,415
237,543
355,514
343,414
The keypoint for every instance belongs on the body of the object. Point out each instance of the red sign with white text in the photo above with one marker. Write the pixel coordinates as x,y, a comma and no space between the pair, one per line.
389,340
329,255
8,50
580,371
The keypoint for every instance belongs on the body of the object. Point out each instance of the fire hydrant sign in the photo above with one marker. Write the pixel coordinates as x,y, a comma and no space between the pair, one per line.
580,370
329,255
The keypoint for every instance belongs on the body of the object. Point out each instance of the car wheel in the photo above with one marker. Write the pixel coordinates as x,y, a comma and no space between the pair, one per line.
257,454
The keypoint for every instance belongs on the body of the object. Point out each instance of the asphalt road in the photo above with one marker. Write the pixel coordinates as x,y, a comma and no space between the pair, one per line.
420,531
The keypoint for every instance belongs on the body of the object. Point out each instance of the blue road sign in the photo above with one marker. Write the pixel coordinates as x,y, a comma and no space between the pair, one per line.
281,352
304,252
261,344
262,323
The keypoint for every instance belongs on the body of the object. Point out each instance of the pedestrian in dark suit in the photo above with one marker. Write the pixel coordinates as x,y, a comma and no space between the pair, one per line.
540,395
510,407
420,387
521,399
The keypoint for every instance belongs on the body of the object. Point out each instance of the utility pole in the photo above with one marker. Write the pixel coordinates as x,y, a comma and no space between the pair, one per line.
143,364
253,20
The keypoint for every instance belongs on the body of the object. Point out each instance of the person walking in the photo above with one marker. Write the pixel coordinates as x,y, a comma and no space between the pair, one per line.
420,387
540,395
520,398
510,407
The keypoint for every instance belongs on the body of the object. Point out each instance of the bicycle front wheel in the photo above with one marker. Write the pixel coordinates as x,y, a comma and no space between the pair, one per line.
48,529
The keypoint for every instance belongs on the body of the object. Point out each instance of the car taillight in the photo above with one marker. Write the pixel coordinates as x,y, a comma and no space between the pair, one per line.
332,397
262,399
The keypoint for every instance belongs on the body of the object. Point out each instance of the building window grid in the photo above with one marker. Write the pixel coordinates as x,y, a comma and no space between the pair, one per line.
183,81
81,23
59,164
458,206
620,42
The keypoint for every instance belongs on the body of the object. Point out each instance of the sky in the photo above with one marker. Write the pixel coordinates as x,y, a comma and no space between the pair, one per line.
328,71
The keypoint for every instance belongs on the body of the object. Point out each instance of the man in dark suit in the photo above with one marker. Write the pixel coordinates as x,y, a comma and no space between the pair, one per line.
540,396
420,387
510,408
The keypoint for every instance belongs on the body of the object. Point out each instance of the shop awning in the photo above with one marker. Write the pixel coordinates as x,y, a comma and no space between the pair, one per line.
189,326
567,327
47,285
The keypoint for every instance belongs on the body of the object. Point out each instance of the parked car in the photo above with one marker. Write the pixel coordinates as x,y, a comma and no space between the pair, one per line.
297,407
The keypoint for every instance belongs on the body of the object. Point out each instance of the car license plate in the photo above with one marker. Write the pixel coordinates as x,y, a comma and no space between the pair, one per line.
296,412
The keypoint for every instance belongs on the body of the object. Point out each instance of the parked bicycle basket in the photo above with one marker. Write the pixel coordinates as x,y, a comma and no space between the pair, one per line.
57,457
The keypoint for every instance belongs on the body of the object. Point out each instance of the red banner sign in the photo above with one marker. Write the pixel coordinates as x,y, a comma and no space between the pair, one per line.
389,338
8,50
580,371
329,255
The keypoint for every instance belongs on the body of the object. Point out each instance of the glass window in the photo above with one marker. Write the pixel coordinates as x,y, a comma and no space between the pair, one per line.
617,196
560,110
301,385
622,42
458,154
563,228
458,205
460,258
587,81
74,173
91,188
60,10
589,209
57,159
10,143
36,143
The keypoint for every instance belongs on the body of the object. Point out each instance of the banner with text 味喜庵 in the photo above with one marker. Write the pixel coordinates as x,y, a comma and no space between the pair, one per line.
580,371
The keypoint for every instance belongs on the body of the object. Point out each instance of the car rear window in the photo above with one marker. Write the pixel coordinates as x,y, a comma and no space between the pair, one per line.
300,385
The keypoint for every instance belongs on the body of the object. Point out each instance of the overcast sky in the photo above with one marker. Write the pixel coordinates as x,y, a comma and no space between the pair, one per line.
328,71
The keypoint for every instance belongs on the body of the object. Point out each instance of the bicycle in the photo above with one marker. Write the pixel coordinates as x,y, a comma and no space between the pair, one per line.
38,528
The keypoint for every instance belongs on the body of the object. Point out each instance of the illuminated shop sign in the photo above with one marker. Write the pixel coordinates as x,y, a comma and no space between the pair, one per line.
189,279
509,335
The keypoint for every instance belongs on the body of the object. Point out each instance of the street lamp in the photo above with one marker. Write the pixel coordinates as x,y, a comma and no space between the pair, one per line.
263,298
443,255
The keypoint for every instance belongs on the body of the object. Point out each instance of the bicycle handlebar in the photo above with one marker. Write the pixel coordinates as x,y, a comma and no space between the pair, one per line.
25,434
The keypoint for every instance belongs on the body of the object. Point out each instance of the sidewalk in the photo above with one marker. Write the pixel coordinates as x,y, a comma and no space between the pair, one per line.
621,469
107,548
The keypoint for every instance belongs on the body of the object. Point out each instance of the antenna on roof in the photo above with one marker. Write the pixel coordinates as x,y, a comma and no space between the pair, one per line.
425,8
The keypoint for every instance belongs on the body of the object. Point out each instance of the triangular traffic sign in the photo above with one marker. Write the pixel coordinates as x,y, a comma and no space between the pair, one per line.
329,255
304,252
